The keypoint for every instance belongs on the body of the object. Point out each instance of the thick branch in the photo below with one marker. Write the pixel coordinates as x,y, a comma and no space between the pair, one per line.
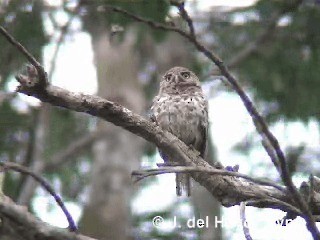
16,167
229,190
21,224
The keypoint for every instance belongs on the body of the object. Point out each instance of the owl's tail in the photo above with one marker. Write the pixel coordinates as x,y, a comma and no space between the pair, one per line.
183,184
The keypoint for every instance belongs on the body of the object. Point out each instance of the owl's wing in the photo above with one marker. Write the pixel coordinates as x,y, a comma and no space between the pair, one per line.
204,126
204,137
151,114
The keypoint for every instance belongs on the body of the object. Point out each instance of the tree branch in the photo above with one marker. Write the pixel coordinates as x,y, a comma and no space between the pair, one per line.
41,73
63,32
16,167
141,174
229,190
185,15
17,221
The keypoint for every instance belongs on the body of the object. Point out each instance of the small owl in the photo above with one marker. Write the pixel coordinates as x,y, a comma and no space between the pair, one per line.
181,108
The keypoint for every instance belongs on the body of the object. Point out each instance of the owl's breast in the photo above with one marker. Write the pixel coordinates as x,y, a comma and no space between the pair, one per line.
181,115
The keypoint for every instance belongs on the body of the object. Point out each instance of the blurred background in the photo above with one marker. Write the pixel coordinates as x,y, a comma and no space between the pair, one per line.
271,46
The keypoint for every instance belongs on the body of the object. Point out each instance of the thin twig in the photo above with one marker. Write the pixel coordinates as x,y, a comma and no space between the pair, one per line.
185,15
18,168
141,174
276,202
270,152
244,222
63,32
41,73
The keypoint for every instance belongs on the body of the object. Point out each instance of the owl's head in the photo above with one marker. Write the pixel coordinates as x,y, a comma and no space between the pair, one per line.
179,79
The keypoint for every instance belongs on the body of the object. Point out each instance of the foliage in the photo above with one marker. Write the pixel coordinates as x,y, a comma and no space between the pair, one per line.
286,69
65,128
12,124
24,21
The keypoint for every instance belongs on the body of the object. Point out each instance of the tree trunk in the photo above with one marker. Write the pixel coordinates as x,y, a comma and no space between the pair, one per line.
38,161
206,206
107,214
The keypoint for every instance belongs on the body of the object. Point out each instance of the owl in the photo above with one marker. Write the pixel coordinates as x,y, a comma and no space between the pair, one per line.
182,109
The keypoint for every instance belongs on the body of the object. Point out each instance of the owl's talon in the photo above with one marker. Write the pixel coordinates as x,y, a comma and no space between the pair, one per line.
235,168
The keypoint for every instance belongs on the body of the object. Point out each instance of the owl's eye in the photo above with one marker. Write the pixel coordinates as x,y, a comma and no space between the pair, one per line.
168,77
185,74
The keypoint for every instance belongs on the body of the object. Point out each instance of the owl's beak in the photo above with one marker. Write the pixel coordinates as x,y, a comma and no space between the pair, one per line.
178,79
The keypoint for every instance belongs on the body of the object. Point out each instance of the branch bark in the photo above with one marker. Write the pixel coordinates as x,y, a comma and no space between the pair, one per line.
17,222
229,190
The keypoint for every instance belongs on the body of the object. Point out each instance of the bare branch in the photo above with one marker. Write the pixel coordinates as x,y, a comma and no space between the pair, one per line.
270,151
63,32
151,23
185,15
229,190
21,224
41,73
18,168
141,174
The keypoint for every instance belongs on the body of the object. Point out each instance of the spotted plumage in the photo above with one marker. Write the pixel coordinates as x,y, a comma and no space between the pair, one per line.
181,108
